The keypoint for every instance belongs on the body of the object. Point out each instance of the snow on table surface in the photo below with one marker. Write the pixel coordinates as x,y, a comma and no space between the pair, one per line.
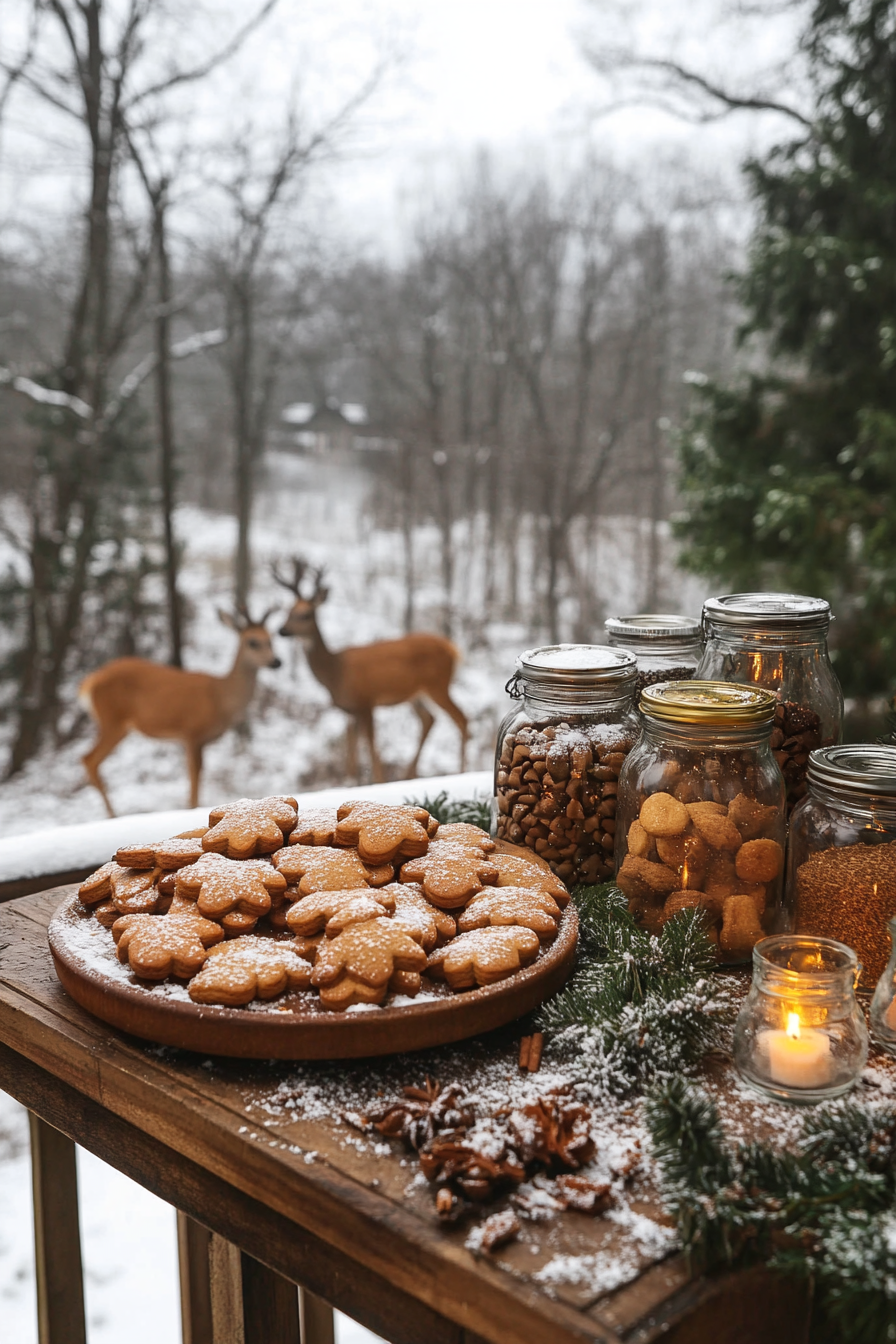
62,848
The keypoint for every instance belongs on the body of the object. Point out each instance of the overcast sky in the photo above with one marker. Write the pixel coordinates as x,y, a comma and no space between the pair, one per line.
504,75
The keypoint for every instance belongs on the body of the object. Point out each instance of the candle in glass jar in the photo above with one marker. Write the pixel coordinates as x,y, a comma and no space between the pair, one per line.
799,1056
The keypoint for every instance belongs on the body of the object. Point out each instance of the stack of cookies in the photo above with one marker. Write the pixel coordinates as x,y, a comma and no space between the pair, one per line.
357,903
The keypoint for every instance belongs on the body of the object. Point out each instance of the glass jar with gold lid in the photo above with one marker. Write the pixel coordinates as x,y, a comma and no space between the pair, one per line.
700,818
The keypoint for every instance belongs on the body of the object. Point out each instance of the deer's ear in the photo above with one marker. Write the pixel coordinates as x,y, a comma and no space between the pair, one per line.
227,618
321,596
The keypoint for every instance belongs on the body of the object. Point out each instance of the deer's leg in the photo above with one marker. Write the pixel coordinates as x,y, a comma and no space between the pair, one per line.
365,721
426,722
194,764
441,697
351,747
106,743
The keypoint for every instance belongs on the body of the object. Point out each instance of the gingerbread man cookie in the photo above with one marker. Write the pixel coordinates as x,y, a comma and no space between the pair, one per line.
383,834
157,946
237,894
516,871
424,921
316,826
249,968
367,955
98,886
450,873
250,826
333,911
464,833
483,956
134,890
524,906
321,868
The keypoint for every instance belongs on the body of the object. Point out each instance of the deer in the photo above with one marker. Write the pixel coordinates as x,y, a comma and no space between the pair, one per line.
194,708
364,677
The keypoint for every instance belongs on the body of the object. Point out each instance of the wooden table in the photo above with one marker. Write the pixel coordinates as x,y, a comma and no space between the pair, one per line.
258,1215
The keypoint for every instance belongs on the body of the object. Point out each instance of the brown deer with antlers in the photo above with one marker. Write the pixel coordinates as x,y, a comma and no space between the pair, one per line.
194,708
388,672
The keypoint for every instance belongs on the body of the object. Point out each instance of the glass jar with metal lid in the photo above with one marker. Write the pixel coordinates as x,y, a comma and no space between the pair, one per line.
559,753
667,648
779,640
700,820
841,870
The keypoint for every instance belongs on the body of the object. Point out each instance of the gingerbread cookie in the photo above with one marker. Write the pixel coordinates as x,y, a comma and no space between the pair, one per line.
165,854
316,826
306,948
250,826
713,824
366,955
464,833
450,873
483,956
235,893
661,814
522,906
98,886
333,911
321,868
346,992
516,871
424,921
649,881
249,968
751,817
405,982
759,860
106,913
383,834
157,946
134,891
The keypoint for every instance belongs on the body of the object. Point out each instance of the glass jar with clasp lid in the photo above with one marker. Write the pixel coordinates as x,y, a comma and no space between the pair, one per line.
667,648
559,753
841,869
779,640
700,820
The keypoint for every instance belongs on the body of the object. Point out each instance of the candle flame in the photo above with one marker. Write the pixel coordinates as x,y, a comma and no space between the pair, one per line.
684,876
793,1026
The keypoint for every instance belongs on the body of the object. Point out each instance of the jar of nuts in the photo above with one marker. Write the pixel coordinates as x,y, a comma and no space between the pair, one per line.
701,819
559,753
667,648
841,868
779,640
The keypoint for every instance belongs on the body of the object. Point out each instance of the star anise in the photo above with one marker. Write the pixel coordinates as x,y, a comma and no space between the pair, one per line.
451,1159
554,1133
543,1198
424,1112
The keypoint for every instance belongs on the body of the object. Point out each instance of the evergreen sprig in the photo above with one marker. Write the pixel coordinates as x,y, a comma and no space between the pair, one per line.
475,811
638,1007
826,1210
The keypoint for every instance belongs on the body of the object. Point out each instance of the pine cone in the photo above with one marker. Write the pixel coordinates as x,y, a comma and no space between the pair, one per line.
450,1159
554,1133
425,1111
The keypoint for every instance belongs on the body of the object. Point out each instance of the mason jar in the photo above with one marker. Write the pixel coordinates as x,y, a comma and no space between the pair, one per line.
559,753
779,640
666,648
701,815
841,871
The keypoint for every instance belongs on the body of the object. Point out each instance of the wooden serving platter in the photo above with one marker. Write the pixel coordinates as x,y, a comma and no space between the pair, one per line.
293,1026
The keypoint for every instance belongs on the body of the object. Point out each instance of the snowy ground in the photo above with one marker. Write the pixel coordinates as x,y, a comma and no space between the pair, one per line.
295,738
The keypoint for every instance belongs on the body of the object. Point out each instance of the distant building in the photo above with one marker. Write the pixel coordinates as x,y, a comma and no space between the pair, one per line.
333,427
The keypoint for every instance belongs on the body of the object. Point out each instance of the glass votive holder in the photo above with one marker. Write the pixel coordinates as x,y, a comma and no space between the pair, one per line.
883,1004
800,1035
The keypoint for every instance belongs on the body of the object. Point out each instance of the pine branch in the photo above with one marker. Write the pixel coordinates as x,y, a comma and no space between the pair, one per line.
475,811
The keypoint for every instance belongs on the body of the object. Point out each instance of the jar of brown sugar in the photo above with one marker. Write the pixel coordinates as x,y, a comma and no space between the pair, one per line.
779,641
700,820
841,870
667,648
559,753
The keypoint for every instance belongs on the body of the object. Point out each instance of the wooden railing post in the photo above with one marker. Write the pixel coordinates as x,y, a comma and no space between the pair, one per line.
318,1326
57,1236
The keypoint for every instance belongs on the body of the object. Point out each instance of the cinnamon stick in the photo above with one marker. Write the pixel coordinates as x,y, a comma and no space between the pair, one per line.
536,1042
525,1049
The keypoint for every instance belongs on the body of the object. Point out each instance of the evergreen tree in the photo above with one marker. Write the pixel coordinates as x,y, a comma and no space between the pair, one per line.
788,477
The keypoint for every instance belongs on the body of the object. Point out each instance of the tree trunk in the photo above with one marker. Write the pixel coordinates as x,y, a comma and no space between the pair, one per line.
166,435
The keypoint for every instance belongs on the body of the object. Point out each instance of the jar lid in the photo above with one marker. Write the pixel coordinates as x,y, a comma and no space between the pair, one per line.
651,627
862,767
577,665
768,611
713,703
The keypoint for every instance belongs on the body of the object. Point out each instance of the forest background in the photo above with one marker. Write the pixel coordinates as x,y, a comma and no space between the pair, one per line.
494,397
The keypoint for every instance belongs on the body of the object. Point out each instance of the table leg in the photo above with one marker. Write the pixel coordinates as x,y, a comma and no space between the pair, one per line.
57,1236
193,1248
318,1326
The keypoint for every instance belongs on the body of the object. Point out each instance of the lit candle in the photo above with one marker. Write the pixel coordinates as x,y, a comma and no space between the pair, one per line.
798,1057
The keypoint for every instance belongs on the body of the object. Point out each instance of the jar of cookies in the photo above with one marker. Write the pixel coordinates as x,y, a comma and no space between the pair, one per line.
559,754
701,819
779,640
666,648
841,869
